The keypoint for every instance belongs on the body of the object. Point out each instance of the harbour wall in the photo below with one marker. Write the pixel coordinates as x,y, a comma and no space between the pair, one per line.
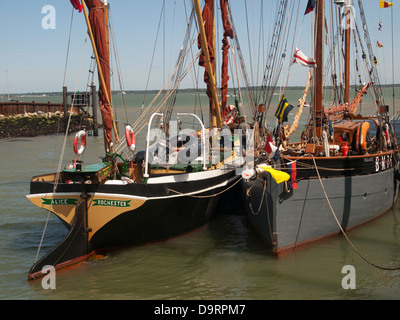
30,119
37,124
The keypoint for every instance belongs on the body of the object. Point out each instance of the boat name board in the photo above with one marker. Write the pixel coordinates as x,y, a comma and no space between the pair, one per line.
59,202
383,163
111,203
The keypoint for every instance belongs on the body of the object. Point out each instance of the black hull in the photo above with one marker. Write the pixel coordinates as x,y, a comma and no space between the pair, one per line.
359,190
156,220
169,210
73,249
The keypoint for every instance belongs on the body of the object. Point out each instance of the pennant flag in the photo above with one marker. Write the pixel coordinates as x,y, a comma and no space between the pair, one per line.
303,60
379,45
77,5
292,171
274,151
310,6
278,176
267,147
385,4
283,110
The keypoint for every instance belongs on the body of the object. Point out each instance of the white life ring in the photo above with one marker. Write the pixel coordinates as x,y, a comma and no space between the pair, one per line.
80,149
130,138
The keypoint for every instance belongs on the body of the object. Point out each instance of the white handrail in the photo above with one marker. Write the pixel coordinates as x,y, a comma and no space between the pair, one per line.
146,169
203,130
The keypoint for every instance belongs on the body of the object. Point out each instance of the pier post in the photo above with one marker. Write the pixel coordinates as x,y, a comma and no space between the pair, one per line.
65,106
94,108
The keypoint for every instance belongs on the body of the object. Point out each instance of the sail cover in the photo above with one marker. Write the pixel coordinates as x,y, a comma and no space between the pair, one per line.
225,50
96,18
209,27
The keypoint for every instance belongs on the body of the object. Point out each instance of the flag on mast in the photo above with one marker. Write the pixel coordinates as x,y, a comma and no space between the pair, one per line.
77,5
310,6
283,109
302,59
384,4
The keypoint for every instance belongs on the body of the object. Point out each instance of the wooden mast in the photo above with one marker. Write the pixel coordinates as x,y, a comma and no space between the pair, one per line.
347,52
101,77
214,46
319,76
204,42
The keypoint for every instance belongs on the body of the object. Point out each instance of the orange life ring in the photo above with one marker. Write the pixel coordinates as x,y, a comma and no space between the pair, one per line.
130,138
80,149
361,138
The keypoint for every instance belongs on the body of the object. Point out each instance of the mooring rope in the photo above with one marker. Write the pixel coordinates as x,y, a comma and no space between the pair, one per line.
210,196
262,200
341,228
57,177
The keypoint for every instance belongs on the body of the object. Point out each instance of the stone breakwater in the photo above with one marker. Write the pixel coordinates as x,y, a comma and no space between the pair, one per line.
40,123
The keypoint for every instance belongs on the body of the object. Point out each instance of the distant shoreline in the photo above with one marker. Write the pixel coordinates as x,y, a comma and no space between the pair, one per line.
58,93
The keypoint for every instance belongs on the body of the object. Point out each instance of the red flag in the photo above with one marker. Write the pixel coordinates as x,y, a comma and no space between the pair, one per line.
292,170
77,5
267,146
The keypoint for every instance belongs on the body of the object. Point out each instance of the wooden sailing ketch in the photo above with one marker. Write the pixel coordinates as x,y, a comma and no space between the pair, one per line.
335,177
121,202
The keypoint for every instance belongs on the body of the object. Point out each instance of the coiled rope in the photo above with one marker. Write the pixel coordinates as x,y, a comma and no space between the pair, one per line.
341,228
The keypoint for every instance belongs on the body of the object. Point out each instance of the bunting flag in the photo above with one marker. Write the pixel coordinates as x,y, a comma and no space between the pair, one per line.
303,60
385,4
267,147
77,5
292,171
278,176
310,6
283,110
379,45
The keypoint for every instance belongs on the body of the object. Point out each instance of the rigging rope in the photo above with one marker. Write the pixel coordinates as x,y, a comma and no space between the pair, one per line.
341,228
61,157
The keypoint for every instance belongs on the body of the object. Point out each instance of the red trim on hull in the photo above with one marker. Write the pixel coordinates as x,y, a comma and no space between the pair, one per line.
64,265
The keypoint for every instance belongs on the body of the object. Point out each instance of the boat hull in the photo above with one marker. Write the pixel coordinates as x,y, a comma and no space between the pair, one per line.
287,219
134,214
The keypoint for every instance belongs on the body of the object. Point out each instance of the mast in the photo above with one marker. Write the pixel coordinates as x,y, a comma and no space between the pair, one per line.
97,30
318,75
209,70
347,40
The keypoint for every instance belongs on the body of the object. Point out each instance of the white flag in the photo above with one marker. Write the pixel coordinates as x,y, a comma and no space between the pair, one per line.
303,60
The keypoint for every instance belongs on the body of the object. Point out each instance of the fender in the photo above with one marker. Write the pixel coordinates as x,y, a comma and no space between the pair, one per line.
361,138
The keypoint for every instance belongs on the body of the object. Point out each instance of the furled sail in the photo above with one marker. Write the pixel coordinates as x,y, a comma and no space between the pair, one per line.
209,28
96,18
225,50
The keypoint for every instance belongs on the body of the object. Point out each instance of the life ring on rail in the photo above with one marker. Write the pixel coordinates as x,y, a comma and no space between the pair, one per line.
361,138
130,138
80,149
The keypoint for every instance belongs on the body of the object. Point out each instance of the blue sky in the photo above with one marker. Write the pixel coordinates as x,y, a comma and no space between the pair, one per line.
35,58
